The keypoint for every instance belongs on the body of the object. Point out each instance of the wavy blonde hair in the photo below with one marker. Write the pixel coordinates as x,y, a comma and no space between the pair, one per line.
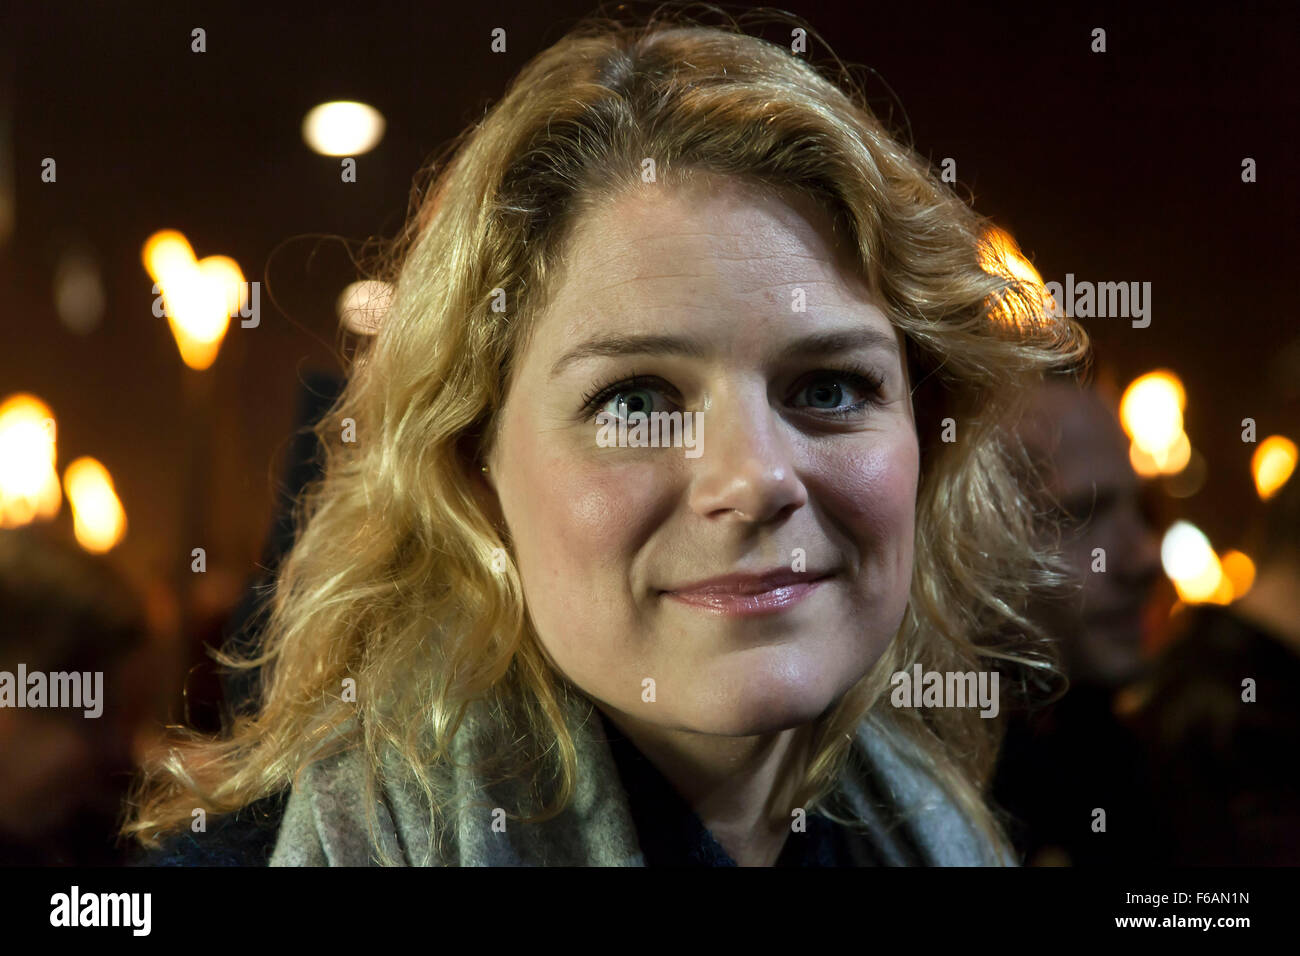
391,580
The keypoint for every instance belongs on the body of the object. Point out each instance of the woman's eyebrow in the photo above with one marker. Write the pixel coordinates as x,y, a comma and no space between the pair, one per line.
815,343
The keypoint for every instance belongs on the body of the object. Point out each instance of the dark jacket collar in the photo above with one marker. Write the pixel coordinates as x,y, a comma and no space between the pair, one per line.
672,834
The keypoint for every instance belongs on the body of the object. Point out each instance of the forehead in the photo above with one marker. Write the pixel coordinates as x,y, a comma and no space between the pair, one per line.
660,247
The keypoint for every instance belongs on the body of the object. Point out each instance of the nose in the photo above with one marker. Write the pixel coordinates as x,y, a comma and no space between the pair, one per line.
747,469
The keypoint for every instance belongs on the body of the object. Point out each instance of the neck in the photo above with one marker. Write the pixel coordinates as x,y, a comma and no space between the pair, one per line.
739,787
1273,601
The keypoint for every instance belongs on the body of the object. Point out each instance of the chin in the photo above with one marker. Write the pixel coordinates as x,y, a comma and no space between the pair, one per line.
747,724
747,704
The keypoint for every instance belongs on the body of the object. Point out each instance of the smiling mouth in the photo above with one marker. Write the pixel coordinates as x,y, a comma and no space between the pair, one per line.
747,597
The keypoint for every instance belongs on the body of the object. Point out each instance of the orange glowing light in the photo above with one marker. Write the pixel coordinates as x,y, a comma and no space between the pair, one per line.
1239,569
1151,412
1273,462
29,485
198,296
99,520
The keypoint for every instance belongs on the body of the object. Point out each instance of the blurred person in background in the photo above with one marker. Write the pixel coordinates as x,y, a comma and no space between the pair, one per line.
1221,715
1066,758
63,775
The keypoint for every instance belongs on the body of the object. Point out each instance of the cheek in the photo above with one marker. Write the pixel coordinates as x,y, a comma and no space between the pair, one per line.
870,490
576,525
576,513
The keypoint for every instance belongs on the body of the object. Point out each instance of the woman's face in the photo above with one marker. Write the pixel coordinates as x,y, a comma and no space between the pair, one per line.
732,303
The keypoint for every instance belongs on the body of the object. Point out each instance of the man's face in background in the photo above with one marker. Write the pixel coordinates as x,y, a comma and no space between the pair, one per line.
1098,621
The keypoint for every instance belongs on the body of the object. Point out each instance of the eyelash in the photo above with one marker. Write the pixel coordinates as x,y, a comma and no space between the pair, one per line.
601,393
859,376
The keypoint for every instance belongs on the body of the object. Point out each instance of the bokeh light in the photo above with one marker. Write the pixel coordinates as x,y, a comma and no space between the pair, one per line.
1272,464
29,485
1191,564
198,296
1239,569
98,518
343,128
361,306
1151,412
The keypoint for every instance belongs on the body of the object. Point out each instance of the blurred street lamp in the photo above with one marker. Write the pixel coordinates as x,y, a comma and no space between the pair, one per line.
1151,412
98,519
1272,464
197,296
29,485
361,306
1192,566
343,128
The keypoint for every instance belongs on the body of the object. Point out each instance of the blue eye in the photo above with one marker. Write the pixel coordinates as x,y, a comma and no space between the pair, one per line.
824,396
830,392
827,393
624,403
620,399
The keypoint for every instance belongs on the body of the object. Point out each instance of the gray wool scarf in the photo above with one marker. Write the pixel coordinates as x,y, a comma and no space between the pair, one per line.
325,821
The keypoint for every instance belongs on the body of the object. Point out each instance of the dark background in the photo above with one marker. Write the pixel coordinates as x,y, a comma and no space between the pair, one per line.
1122,166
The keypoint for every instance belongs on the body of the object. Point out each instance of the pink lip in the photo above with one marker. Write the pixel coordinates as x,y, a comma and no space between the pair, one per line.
744,595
